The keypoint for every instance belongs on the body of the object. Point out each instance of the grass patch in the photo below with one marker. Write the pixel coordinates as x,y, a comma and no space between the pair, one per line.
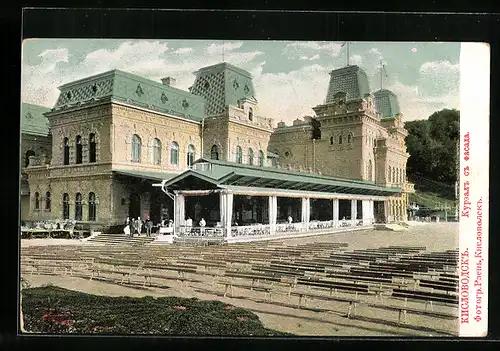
55,310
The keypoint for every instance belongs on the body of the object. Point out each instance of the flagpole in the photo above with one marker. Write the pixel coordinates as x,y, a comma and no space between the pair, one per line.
381,79
223,51
347,53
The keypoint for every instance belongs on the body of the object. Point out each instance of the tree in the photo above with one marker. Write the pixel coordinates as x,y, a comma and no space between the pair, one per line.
432,146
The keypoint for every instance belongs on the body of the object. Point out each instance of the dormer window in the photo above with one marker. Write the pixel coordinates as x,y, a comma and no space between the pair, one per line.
246,89
94,88
235,85
250,114
185,104
68,95
139,90
164,98
207,85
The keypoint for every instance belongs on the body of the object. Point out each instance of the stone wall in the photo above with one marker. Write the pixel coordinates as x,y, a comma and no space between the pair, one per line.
247,136
82,122
128,121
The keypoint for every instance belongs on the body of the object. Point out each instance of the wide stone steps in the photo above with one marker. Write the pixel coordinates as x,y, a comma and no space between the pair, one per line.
120,239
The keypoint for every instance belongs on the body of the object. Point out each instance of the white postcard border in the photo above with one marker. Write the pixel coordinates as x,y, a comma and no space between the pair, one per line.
474,188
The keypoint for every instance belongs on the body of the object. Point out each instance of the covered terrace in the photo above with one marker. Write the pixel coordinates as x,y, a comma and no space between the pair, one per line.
237,200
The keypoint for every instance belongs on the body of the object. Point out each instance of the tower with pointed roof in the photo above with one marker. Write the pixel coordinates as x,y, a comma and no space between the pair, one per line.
232,130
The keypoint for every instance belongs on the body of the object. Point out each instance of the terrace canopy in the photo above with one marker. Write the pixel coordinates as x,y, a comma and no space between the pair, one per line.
234,198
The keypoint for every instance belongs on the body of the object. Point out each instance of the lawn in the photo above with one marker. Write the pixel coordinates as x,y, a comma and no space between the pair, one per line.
55,310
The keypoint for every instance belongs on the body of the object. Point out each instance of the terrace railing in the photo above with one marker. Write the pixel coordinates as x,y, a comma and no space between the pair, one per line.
187,231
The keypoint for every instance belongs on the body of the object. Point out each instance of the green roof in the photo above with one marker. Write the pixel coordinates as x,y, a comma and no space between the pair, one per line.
351,80
146,175
223,174
33,121
129,88
386,103
221,85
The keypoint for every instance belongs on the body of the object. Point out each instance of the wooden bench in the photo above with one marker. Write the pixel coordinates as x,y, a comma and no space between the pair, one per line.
438,285
427,297
230,284
353,302
334,286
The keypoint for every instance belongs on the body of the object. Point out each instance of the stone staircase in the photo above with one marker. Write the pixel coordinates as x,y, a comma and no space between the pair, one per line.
120,239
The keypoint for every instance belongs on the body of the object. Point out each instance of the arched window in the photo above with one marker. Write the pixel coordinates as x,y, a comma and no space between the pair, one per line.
29,153
156,154
214,153
261,158
47,201
190,155
239,154
37,201
136,148
65,206
174,154
332,138
370,170
340,139
79,153
78,207
250,114
349,138
66,151
92,148
250,156
92,207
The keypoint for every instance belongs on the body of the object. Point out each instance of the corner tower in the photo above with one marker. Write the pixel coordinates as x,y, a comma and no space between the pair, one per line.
347,117
221,85
351,80
232,129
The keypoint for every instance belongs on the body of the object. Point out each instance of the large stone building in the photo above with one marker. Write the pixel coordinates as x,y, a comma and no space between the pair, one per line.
114,134
35,141
355,134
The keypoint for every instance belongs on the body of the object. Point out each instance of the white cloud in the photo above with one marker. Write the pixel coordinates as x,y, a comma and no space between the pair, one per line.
139,57
434,67
229,46
282,96
415,105
310,58
355,59
287,96
182,51
303,49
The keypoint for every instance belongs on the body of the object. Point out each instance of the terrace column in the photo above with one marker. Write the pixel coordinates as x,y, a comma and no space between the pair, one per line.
306,212
335,217
179,212
354,212
273,213
366,212
372,211
226,211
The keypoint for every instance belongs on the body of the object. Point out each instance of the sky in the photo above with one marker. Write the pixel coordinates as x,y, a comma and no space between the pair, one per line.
290,77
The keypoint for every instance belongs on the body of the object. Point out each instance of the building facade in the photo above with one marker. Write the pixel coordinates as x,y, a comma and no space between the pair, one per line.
109,137
354,135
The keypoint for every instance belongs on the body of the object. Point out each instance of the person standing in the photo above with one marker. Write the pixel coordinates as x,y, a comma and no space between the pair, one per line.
132,225
202,225
138,225
149,226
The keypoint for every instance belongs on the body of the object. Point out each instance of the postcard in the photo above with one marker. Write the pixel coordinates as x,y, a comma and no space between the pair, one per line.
254,188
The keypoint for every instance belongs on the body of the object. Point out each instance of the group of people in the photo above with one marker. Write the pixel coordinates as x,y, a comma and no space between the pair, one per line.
133,226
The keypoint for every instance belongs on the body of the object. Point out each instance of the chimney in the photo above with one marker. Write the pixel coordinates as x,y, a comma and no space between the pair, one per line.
168,81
